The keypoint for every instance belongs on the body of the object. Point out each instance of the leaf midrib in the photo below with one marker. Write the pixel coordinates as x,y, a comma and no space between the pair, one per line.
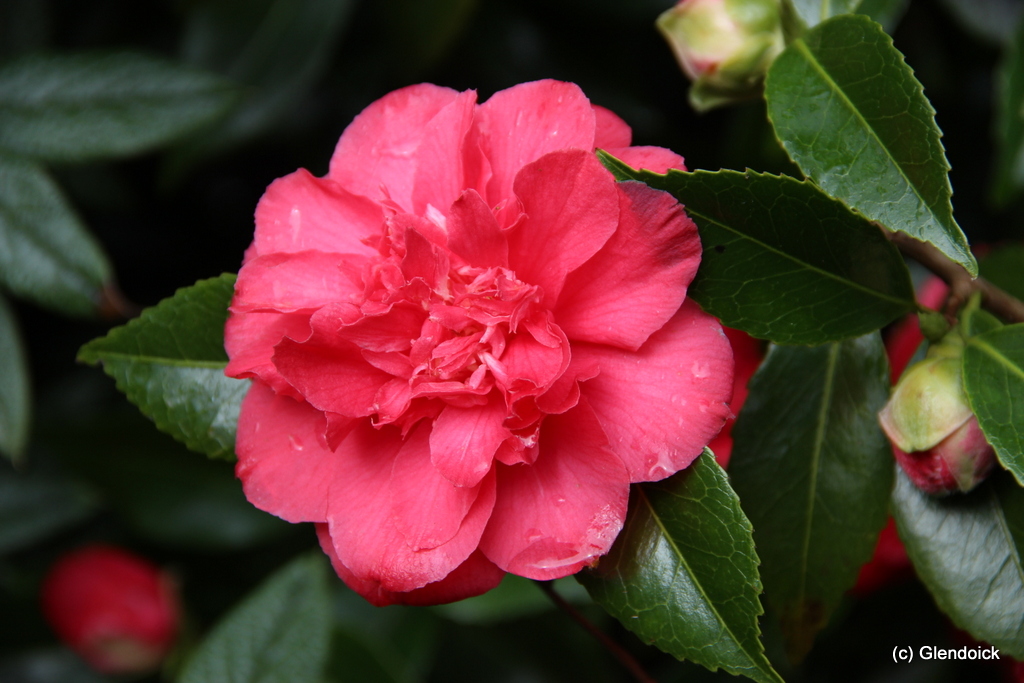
819,439
832,276
996,355
802,47
159,360
707,600
25,230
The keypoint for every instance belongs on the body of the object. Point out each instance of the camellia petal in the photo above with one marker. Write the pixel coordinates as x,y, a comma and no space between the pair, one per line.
474,576
283,467
523,123
473,232
556,516
638,279
392,331
362,523
378,149
300,213
440,176
250,338
464,440
331,373
662,404
571,208
306,280
426,508
610,130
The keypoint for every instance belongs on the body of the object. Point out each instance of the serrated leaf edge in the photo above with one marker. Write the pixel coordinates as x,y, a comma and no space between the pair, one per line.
783,179
682,561
957,240
759,654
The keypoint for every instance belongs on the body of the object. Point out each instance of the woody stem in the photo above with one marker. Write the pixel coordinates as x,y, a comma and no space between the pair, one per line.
961,284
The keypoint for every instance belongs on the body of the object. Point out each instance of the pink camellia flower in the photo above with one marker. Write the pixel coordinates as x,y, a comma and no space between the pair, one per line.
467,340
118,611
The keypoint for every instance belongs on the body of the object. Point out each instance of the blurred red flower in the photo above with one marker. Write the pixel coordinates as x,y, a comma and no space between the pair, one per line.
118,611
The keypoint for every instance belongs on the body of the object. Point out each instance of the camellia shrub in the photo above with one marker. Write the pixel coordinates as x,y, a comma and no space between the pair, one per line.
500,359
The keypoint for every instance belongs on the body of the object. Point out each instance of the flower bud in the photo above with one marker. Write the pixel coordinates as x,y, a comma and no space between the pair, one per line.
959,462
936,437
116,610
724,46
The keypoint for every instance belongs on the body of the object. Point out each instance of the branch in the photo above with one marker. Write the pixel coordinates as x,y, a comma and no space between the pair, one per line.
961,284
624,657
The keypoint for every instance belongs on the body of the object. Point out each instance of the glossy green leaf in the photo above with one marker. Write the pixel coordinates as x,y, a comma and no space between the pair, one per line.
46,254
814,471
994,381
968,550
15,397
813,12
853,117
279,48
170,363
278,634
35,505
90,106
782,260
682,574
1009,175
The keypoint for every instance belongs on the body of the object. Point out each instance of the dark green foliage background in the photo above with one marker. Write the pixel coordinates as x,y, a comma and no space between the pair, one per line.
170,217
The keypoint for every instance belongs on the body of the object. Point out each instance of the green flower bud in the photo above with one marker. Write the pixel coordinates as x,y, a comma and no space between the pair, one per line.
928,403
724,46
937,440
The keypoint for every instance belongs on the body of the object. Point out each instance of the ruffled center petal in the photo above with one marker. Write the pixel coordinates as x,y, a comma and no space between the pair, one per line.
435,335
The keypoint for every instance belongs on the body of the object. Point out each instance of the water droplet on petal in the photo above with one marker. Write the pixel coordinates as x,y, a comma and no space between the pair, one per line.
295,442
